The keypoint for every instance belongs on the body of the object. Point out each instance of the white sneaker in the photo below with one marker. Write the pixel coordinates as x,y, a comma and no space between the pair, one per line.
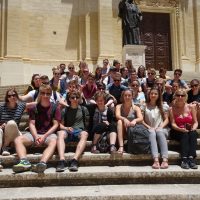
5,152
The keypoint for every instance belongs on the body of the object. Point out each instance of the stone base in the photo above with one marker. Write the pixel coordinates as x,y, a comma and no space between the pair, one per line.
136,53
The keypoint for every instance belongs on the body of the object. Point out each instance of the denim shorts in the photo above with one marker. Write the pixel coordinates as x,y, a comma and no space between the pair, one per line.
73,136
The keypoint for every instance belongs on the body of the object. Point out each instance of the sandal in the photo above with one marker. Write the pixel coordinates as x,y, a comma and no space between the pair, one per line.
121,150
113,149
94,150
164,165
156,165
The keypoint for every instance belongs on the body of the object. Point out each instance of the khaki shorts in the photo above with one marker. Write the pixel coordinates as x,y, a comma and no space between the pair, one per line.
30,137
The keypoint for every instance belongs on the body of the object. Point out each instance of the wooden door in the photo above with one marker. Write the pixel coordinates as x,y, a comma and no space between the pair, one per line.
155,34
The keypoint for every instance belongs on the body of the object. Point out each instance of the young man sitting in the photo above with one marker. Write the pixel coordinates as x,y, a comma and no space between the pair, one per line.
44,120
73,127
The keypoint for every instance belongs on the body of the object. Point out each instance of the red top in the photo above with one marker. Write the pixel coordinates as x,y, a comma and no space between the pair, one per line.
182,120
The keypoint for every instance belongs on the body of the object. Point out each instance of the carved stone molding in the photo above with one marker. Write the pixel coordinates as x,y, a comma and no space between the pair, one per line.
156,3
161,3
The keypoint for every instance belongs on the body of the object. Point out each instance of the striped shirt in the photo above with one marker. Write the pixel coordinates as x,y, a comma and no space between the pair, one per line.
15,114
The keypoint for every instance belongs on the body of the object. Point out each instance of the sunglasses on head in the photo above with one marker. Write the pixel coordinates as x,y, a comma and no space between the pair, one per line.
11,95
180,95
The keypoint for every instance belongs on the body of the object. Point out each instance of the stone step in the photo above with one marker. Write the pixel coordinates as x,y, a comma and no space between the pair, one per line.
89,159
101,175
105,192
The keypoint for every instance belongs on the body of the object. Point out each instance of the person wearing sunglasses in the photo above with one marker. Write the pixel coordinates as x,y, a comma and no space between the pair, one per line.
149,81
184,123
116,88
73,128
10,114
177,78
70,74
44,119
194,96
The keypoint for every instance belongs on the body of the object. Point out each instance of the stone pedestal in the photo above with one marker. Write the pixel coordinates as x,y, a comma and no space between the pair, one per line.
136,53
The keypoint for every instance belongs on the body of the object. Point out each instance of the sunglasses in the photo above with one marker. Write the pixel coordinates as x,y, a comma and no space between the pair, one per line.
45,94
74,97
117,80
177,74
150,73
45,83
195,85
71,67
11,95
180,95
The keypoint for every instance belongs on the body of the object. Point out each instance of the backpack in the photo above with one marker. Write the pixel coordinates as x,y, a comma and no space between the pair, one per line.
103,144
138,140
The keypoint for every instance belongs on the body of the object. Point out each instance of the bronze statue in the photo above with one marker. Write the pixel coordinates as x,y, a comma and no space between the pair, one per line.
131,17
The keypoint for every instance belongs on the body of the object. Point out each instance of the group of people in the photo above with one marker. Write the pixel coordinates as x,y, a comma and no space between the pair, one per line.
79,106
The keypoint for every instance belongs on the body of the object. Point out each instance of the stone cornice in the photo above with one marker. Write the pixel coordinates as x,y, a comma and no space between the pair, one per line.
157,3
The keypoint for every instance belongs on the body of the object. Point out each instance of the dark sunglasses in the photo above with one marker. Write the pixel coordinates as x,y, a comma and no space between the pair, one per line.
177,74
180,95
195,85
71,67
74,97
45,83
150,73
117,80
45,93
11,95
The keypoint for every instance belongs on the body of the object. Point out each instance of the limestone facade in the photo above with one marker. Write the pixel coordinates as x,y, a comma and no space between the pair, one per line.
36,35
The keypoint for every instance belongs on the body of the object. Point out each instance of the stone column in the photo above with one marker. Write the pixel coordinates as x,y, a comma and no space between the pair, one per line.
105,29
3,31
196,4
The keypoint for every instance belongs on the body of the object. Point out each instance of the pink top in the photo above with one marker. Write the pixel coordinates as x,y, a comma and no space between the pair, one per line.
182,120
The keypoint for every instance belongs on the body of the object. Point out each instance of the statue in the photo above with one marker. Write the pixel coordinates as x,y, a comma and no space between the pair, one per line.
131,17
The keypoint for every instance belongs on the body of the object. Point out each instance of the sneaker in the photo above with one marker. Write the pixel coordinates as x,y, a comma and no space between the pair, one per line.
61,166
1,166
5,151
22,166
192,163
73,166
39,167
184,164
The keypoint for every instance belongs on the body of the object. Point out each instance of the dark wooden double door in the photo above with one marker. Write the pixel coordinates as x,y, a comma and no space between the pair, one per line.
155,34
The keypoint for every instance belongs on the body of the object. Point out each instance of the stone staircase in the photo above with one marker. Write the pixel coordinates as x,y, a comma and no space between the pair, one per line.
100,176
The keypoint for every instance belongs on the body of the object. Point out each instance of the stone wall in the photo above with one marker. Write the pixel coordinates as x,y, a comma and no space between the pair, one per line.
36,35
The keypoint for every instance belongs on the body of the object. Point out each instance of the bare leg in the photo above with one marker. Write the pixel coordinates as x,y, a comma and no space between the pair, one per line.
120,135
81,145
61,144
48,152
20,144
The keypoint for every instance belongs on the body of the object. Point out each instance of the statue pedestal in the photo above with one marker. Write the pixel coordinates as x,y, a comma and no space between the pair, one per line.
136,53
